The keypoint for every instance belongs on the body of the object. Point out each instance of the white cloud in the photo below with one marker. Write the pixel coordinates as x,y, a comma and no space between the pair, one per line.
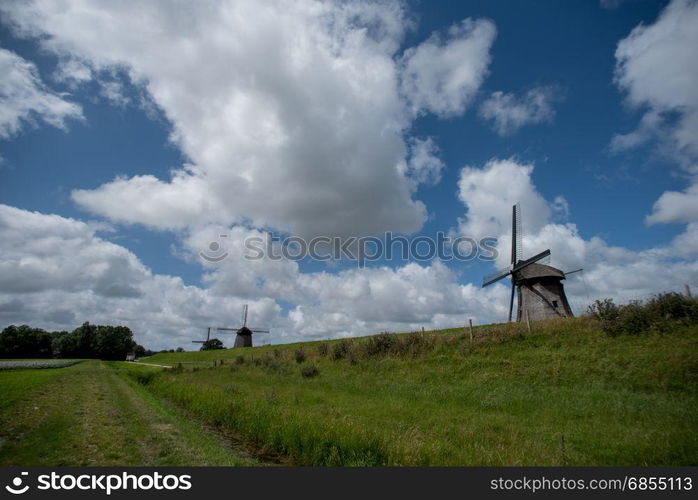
560,207
442,76
72,72
24,99
424,165
509,113
675,206
489,193
290,113
657,68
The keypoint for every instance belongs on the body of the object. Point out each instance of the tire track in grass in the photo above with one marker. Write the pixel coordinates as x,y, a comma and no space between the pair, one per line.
90,416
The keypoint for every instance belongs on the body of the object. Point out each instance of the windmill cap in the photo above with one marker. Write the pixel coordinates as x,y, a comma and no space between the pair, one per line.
539,271
244,331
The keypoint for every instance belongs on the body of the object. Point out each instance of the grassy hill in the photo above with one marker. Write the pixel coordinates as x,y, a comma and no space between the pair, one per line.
566,394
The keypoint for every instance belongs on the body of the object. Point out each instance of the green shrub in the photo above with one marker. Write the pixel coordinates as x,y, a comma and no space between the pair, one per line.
340,349
604,309
673,306
240,360
660,313
299,355
310,371
378,345
413,344
145,378
322,349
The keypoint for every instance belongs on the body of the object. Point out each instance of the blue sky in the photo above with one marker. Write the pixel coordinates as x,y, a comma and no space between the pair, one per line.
134,114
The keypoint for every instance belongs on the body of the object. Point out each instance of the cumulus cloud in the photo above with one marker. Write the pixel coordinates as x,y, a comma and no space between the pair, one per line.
290,113
72,72
657,68
25,99
509,113
442,75
675,206
424,166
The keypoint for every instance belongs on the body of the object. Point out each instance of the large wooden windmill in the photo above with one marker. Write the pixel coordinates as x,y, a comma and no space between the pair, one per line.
540,291
244,333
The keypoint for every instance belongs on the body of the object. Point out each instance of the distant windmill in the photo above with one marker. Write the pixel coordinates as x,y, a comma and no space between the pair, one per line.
541,294
208,337
244,333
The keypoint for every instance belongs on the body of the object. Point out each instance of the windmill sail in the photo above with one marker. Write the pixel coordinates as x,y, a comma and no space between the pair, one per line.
516,235
493,278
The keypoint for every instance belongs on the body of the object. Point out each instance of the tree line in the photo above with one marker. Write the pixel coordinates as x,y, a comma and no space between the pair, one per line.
86,341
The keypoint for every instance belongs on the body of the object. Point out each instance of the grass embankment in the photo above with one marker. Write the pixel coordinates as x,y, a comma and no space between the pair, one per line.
567,394
88,414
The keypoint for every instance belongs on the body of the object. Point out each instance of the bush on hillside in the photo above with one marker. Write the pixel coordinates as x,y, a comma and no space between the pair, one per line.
659,313
322,349
340,349
309,371
378,345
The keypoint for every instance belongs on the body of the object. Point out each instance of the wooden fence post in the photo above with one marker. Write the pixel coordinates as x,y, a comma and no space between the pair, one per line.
528,323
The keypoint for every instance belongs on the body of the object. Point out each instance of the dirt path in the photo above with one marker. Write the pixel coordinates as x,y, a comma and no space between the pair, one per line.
149,364
89,415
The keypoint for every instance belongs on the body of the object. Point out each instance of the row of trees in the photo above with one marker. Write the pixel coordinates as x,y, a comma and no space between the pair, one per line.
86,341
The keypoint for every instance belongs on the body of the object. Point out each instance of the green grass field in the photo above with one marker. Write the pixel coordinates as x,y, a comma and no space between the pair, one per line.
567,394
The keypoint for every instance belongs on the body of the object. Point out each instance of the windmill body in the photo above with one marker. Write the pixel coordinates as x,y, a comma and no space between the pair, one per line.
243,336
541,294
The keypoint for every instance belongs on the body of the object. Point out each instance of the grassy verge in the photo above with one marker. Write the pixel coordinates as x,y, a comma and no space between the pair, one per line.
88,414
566,395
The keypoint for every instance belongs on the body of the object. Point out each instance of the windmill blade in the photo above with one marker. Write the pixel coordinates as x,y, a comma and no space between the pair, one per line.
532,260
228,329
259,330
244,315
516,233
513,235
575,271
511,300
198,341
208,335
493,278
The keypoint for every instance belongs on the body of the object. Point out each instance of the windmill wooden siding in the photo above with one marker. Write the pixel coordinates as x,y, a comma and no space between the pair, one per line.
541,293
243,337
